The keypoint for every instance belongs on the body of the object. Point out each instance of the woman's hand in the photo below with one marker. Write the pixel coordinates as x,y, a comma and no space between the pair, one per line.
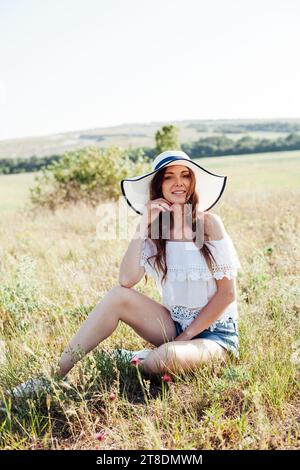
182,337
154,207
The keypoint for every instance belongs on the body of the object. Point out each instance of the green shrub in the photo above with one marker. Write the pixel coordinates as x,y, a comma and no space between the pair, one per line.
90,175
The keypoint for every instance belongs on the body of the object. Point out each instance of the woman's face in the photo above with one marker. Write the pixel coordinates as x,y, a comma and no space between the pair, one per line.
176,184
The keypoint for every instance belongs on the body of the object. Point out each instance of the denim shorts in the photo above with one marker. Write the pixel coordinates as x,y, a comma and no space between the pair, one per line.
225,334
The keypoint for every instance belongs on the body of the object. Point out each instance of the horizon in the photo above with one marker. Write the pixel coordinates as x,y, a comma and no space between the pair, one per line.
149,123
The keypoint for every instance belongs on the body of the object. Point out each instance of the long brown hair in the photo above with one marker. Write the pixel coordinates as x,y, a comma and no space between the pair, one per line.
160,228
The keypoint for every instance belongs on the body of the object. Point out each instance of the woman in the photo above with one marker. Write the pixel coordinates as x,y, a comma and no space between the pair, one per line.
193,262
182,337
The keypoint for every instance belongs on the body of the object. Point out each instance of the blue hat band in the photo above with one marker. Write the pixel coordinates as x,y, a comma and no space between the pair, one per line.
167,159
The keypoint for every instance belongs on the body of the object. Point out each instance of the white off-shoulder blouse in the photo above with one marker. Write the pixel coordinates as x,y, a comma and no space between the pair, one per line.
189,281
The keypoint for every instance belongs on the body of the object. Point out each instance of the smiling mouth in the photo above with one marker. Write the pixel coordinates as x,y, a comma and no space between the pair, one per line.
179,192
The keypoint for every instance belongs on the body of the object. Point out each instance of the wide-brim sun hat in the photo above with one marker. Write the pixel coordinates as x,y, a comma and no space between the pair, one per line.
209,186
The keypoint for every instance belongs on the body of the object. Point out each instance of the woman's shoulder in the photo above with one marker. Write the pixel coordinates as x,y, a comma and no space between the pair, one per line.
149,247
213,226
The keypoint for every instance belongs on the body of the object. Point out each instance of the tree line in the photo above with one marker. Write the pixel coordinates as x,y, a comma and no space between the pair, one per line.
236,127
223,145
167,138
24,165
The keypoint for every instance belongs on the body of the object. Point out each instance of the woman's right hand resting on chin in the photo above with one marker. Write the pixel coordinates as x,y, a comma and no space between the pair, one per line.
152,210
130,270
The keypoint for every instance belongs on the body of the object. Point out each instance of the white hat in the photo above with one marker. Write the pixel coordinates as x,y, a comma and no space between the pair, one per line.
209,186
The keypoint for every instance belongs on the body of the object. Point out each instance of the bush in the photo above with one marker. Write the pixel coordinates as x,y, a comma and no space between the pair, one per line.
91,175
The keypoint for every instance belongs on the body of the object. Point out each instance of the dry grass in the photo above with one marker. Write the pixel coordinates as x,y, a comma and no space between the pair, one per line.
53,272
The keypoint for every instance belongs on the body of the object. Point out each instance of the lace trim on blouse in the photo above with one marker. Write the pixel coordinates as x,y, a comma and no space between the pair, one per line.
185,316
226,262
194,273
144,258
223,251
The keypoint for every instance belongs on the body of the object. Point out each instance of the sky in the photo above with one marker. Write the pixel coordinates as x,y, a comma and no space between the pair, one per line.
68,65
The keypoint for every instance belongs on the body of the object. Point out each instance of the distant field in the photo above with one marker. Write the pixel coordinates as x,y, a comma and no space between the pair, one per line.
14,191
273,170
263,170
140,135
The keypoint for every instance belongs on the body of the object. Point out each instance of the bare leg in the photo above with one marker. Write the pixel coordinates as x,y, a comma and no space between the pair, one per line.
151,320
177,356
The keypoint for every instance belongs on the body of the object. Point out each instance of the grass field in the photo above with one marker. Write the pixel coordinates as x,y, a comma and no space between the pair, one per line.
54,270
14,191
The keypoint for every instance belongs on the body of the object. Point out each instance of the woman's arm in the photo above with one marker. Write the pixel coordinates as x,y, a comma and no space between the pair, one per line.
209,314
130,270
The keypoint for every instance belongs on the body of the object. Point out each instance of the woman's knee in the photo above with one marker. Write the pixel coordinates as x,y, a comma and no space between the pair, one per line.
120,294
